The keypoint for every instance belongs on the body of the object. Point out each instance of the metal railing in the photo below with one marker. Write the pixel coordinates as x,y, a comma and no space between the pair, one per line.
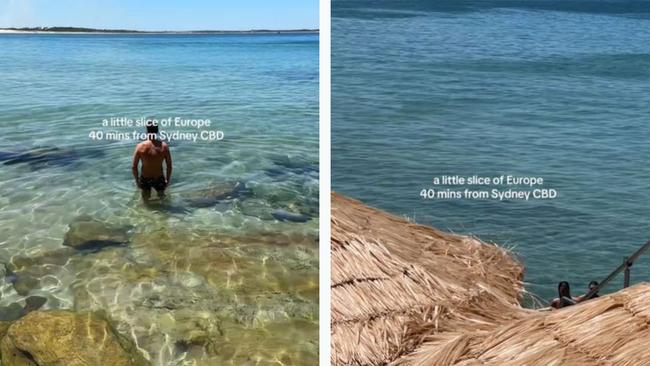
625,267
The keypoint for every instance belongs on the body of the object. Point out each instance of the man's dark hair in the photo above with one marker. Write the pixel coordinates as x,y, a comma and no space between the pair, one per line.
152,127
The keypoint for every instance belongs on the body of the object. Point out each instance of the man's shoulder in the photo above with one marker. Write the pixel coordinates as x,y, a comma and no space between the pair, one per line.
141,145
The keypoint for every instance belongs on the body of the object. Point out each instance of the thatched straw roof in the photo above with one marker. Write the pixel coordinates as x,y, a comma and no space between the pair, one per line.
407,295
394,283
611,330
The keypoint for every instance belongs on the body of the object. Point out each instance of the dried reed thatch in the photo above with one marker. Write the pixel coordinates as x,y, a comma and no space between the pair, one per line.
610,330
395,283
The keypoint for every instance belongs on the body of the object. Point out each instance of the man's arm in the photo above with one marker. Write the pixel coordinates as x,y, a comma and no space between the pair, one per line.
168,161
134,167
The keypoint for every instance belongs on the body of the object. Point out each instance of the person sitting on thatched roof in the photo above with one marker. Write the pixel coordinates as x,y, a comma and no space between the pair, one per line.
564,296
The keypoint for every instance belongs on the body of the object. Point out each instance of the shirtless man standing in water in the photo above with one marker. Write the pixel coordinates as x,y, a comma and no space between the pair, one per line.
152,152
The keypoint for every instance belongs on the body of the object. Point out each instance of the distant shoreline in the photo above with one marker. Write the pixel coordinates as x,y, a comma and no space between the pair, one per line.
76,30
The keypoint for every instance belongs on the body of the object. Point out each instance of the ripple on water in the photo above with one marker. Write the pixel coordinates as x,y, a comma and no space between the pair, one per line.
219,282
192,295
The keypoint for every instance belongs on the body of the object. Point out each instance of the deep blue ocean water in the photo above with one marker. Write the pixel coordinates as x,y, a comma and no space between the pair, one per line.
557,89
206,277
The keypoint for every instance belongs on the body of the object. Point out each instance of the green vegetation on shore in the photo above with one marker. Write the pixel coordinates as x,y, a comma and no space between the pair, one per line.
93,30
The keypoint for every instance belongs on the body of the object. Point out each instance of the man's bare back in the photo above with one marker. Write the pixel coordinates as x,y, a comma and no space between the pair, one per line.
152,153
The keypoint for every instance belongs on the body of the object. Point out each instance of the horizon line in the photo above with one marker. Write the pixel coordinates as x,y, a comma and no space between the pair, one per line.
71,29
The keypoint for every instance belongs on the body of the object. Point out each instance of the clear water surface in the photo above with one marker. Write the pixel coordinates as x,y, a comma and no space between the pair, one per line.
557,89
206,277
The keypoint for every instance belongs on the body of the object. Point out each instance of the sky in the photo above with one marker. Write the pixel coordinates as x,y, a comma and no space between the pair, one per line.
161,14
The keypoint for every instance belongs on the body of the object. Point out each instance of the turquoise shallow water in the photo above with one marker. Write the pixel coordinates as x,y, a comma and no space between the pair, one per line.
226,270
557,89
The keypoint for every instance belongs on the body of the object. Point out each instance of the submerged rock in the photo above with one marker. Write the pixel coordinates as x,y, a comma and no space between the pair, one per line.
284,165
25,272
263,210
256,208
49,338
284,201
88,234
282,215
200,297
46,156
25,281
165,206
218,193
3,329
289,342
57,257
16,311
33,303
7,155
11,312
